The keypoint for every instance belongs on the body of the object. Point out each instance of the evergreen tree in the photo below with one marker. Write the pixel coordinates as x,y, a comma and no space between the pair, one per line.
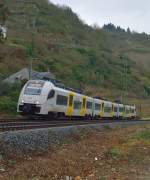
128,30
109,27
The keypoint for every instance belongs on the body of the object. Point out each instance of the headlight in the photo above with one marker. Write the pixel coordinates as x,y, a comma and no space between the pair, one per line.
37,102
22,101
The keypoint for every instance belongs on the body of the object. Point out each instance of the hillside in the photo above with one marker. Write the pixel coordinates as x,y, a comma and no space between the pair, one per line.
81,56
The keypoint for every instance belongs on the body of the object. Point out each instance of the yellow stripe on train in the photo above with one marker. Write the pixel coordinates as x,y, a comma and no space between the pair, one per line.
83,108
70,105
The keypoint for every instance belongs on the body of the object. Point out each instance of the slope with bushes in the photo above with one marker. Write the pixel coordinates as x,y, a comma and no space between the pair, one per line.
89,58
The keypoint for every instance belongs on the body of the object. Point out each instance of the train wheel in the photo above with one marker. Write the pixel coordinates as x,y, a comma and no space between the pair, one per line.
50,116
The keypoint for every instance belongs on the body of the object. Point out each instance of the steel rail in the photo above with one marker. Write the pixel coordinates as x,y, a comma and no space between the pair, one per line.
3,123
13,126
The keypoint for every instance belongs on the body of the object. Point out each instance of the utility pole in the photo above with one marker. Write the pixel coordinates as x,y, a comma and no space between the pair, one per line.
124,80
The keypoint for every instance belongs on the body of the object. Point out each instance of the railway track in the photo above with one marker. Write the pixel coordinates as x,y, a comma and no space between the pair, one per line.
12,119
15,124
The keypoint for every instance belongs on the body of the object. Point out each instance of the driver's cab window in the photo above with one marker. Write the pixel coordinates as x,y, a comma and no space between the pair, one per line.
51,94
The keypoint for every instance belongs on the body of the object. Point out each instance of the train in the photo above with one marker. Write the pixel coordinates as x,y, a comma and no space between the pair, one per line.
43,98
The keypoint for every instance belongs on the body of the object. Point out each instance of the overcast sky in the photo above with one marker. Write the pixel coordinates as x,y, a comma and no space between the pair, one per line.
126,13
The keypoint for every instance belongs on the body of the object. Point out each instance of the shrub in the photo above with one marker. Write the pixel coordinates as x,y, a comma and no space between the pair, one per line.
114,153
145,135
8,105
9,97
108,127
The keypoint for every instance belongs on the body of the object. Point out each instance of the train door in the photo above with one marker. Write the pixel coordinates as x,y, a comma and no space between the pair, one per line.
93,110
70,105
117,111
102,110
83,108
124,111
112,110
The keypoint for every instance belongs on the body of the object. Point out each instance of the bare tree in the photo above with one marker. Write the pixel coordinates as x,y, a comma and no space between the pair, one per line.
4,12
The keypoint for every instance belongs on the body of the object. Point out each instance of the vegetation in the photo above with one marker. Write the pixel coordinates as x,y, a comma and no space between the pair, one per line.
143,135
4,12
115,153
89,58
9,95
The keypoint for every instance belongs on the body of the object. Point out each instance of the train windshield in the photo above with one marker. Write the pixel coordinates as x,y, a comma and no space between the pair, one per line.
34,88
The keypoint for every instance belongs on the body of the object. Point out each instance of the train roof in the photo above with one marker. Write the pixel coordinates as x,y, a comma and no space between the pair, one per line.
57,84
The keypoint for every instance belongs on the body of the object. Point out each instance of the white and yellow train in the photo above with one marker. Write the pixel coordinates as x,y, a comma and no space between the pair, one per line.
43,98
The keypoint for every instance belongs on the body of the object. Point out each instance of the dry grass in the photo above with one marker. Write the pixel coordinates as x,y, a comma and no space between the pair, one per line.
113,154
142,60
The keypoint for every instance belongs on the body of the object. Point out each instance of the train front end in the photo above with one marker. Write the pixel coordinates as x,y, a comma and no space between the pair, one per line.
33,97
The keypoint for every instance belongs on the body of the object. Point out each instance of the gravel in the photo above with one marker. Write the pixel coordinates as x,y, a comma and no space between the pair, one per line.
40,140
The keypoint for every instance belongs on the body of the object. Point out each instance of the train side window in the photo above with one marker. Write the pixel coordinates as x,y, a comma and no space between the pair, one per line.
70,100
89,105
61,100
115,109
51,94
97,107
121,109
77,104
107,109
